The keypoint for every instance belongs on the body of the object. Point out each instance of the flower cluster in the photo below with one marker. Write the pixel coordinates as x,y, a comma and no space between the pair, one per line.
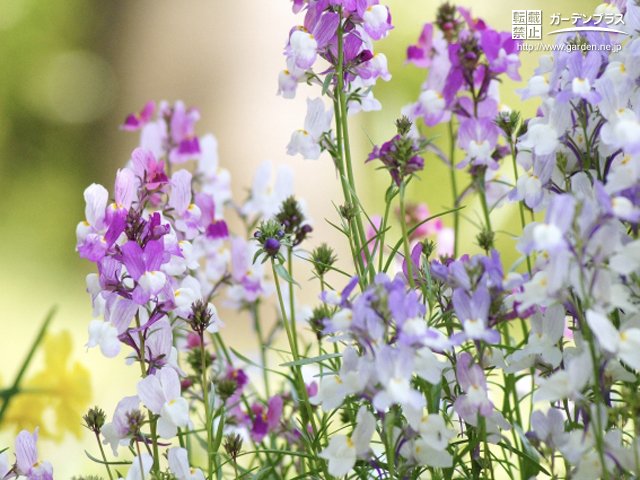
427,363
340,33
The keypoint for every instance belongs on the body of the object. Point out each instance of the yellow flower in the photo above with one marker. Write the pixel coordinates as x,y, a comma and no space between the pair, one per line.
61,389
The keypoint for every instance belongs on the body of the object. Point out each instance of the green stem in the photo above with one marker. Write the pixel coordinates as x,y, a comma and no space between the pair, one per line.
207,409
405,238
292,307
357,258
523,222
153,426
485,210
15,387
599,399
307,412
454,188
383,228
263,347
343,125
104,457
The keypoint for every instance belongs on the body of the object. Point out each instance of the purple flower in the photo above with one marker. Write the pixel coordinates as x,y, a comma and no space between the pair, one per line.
474,401
581,76
149,170
501,51
478,137
473,313
265,421
143,264
27,462
399,163
377,21
136,121
420,54
182,128
550,234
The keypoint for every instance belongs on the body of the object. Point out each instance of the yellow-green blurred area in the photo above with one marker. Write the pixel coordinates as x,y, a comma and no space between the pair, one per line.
69,73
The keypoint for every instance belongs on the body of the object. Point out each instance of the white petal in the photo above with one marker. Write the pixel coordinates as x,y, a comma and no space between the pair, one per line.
603,329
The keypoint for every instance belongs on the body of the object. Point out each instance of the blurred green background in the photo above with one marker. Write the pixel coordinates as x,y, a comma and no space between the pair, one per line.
72,70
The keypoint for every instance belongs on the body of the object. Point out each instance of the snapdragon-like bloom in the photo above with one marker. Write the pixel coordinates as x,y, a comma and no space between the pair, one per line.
431,447
566,383
161,394
317,122
473,313
475,400
140,467
266,420
179,465
116,432
625,344
27,461
342,451
268,193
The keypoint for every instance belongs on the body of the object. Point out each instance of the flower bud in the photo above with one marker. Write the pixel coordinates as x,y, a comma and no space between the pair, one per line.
94,419
233,445
323,258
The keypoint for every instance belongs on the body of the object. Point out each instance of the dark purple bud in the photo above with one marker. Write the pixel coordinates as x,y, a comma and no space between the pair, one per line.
272,246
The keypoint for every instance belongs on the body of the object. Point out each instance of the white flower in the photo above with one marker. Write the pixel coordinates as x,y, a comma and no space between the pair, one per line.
353,376
537,86
267,195
581,86
140,467
625,343
303,48
565,383
435,432
342,451
105,335
317,121
627,260
161,394
152,282
542,138
179,465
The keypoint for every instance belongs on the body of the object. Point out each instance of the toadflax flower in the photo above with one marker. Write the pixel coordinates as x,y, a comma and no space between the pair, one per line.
307,141
160,393
625,344
179,465
475,400
140,467
431,447
342,451
116,433
27,461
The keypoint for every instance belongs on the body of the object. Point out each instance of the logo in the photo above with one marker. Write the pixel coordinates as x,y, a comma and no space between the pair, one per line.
527,24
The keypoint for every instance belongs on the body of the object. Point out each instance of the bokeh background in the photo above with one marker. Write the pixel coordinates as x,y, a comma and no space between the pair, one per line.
70,71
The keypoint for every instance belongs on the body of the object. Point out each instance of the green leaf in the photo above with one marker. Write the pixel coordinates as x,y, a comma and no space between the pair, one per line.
254,364
530,456
102,462
327,83
282,273
309,361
